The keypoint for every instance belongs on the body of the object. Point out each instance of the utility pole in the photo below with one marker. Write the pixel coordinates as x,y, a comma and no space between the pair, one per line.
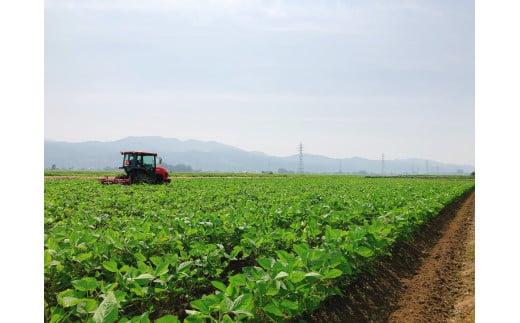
300,151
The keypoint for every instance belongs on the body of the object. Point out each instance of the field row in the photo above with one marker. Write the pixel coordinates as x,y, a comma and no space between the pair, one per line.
222,249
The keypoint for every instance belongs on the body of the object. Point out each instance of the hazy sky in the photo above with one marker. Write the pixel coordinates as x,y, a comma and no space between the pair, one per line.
345,78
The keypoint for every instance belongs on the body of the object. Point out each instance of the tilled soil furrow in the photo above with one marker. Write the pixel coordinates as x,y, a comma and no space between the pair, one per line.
422,281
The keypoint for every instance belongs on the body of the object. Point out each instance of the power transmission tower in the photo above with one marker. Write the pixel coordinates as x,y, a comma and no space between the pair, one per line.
300,151
383,164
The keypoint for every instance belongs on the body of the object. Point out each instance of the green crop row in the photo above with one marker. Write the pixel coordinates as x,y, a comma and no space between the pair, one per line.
221,249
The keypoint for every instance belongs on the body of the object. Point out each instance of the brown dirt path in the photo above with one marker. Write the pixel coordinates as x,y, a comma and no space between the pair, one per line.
443,288
430,278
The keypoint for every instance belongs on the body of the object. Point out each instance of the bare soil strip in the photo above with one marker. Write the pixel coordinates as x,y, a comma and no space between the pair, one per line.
430,278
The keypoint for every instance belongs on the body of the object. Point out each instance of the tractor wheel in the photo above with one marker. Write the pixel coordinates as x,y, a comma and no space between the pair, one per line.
159,179
143,178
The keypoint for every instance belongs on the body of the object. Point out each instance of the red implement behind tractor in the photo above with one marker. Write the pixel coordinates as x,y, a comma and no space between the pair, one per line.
139,167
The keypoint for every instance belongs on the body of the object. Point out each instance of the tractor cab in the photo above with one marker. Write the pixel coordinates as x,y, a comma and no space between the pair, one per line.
133,160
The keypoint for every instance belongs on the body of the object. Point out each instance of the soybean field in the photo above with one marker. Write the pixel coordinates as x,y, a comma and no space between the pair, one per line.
214,249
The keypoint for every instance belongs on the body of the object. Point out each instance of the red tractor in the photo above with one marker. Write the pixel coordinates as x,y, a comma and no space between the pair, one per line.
140,167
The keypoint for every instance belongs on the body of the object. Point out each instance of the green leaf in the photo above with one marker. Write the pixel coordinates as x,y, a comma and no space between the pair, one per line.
204,304
290,305
313,274
144,278
302,250
69,297
347,268
285,256
168,319
197,317
243,312
83,256
47,258
364,251
184,266
156,260
57,315
272,290
237,302
69,301
234,253
281,274
138,290
161,269
192,312
296,276
333,273
107,310
110,265
86,305
265,262
85,284
218,285
273,309
143,318
227,303
139,256
237,280
90,305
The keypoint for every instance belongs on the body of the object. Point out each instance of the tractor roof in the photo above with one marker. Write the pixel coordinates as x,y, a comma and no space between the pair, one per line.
138,153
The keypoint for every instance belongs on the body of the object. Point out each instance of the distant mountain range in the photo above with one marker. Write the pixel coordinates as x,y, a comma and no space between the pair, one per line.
211,156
